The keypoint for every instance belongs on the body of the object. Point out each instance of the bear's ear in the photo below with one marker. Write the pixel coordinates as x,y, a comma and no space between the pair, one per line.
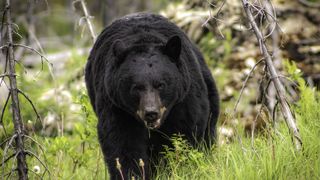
173,47
118,49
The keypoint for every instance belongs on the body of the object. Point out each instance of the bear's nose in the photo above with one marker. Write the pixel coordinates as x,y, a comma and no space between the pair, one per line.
151,116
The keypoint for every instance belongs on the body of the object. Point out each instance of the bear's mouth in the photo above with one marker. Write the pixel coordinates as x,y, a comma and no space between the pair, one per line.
154,121
153,125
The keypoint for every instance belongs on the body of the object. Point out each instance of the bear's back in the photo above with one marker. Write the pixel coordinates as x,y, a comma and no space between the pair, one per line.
145,27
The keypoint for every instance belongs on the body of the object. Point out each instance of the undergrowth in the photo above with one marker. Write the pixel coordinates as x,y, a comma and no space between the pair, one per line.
272,156
74,152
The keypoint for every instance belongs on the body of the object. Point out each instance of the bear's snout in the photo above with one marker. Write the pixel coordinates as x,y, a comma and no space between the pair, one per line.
150,108
151,116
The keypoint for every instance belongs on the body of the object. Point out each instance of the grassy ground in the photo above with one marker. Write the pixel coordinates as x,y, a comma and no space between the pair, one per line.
71,150
271,156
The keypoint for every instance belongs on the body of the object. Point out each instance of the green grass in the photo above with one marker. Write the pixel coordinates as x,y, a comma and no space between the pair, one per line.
75,153
271,156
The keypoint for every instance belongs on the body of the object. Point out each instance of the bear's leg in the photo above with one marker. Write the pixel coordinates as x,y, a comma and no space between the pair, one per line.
123,144
213,98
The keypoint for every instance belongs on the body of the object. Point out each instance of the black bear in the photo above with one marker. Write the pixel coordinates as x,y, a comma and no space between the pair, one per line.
147,81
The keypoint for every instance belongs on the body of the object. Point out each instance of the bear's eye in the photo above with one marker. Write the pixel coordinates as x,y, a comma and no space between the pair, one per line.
160,86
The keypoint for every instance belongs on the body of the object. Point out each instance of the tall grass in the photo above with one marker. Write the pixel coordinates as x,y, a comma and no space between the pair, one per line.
75,154
271,156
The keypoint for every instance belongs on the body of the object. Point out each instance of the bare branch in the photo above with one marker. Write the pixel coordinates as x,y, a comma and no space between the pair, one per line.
30,170
3,47
215,17
34,155
5,152
244,85
9,173
34,50
8,158
17,121
33,140
6,75
309,3
5,141
87,17
275,79
31,103
3,111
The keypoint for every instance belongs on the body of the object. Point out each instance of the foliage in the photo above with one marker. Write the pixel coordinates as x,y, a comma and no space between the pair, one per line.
271,157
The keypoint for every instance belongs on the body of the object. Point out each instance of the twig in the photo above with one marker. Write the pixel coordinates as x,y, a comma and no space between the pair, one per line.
87,17
244,85
275,79
3,47
33,140
3,111
31,103
37,174
34,50
34,155
9,173
5,141
8,158
215,16
6,75
309,3
274,33
5,152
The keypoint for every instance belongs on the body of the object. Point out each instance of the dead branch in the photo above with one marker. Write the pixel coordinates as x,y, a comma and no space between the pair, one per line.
33,140
273,31
309,3
13,137
57,58
274,78
3,47
17,121
3,111
5,75
244,85
34,50
215,17
87,17
7,159
42,163
35,173
5,141
31,103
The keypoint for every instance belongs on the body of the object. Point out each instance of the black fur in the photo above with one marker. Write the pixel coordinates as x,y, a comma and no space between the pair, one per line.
133,50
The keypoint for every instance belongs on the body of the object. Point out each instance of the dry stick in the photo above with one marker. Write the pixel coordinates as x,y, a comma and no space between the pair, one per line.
39,160
6,148
17,121
3,111
3,47
87,18
276,51
244,85
275,79
310,3
7,159
31,103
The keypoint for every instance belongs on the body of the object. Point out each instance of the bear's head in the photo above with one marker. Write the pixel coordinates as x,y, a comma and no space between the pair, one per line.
148,79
